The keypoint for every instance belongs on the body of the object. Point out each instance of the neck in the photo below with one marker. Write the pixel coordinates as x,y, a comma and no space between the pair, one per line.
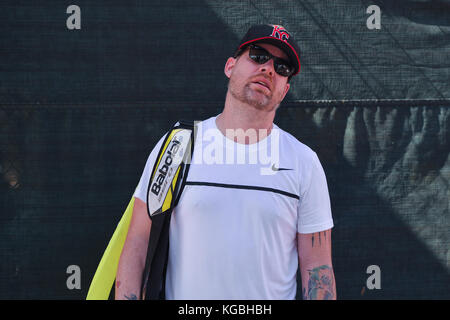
244,123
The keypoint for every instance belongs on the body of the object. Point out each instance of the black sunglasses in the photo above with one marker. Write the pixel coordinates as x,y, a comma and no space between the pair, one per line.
261,56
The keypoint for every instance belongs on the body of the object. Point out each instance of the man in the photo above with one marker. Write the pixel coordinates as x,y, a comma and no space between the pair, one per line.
239,232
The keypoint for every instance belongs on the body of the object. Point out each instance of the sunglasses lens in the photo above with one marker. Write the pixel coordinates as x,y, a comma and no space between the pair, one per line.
259,55
283,69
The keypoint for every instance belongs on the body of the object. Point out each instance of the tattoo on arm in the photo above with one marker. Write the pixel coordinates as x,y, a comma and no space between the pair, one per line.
131,297
320,284
320,237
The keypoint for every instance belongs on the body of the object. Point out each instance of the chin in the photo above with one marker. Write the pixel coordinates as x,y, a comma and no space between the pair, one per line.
268,107
258,100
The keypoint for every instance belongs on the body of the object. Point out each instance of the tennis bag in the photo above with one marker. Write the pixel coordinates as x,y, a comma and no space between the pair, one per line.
166,184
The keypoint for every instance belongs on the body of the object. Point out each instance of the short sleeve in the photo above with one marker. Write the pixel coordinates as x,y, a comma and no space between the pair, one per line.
141,189
314,209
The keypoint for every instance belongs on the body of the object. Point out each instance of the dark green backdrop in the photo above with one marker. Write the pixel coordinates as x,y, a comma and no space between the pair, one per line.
81,109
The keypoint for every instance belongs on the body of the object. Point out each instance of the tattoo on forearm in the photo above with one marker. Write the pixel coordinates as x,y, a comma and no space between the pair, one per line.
131,297
320,284
320,238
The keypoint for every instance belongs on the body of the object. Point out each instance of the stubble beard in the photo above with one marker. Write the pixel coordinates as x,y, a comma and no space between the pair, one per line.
251,97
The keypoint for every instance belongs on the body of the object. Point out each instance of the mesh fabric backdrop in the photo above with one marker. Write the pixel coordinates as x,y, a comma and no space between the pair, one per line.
80,111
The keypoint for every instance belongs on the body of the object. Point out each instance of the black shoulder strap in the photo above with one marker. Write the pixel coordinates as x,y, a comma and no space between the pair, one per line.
153,278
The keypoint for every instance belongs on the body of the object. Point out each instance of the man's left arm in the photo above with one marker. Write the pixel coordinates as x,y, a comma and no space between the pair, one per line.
314,254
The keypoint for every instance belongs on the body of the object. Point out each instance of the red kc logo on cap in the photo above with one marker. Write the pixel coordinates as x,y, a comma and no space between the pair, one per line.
280,32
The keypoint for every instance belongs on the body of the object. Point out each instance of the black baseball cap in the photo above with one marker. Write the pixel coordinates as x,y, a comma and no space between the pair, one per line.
275,35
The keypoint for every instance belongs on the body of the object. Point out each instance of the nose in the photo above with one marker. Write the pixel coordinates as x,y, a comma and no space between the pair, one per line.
268,68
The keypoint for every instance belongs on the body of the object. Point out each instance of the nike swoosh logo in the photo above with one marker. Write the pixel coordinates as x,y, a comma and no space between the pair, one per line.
278,169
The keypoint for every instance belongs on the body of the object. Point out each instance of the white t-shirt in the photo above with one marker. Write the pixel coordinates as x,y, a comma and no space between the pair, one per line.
233,234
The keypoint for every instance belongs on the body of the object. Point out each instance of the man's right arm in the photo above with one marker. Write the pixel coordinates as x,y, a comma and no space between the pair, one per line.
134,254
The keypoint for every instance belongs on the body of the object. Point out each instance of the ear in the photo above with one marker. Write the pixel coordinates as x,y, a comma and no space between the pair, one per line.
286,89
229,65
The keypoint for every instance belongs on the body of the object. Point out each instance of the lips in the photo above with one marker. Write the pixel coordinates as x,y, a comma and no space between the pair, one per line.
264,83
